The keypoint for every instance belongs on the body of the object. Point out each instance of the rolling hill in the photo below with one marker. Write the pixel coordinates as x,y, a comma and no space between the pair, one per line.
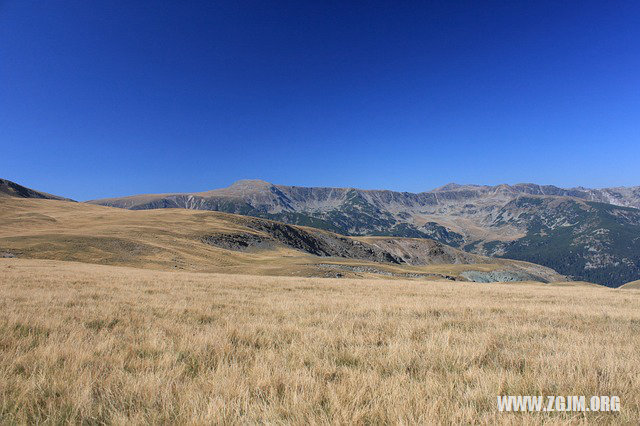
589,234
203,241
12,189
633,285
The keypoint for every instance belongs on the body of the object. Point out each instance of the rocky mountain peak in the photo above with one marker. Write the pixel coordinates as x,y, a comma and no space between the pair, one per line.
451,186
250,184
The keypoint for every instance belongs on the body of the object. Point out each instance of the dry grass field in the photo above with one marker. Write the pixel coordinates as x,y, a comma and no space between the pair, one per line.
94,344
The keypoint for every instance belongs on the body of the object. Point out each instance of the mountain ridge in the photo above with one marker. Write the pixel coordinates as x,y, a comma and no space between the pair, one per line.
571,230
624,196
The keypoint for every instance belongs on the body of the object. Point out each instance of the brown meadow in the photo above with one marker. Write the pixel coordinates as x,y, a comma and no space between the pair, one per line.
103,344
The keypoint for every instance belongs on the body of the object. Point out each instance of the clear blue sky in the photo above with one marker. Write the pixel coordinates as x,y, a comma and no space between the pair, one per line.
109,98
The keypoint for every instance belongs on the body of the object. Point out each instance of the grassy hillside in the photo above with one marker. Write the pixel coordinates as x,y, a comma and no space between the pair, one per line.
99,344
179,239
590,241
633,285
12,189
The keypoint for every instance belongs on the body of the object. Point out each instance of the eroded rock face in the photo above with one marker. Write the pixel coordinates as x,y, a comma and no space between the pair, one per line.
309,241
238,241
422,251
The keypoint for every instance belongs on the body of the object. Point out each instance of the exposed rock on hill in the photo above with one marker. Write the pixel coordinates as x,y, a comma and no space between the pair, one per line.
312,241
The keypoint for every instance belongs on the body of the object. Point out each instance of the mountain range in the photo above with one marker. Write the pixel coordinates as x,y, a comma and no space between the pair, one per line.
206,241
588,234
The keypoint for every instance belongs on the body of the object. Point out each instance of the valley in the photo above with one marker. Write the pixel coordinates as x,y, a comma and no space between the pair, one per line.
586,234
204,241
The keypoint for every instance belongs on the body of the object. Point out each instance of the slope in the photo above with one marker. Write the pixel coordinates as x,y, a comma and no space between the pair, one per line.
217,242
590,234
12,189
633,285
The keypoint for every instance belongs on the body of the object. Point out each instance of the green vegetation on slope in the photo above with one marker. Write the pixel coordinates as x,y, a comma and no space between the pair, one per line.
592,241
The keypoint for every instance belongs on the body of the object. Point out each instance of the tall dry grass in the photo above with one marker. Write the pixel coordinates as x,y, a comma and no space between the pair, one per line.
97,344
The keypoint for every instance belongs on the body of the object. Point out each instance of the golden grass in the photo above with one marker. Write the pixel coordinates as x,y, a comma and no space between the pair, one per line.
104,344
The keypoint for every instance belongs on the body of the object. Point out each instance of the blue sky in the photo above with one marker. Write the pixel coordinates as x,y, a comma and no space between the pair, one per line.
109,98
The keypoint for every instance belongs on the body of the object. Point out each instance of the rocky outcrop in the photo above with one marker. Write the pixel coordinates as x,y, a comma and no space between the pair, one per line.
316,242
